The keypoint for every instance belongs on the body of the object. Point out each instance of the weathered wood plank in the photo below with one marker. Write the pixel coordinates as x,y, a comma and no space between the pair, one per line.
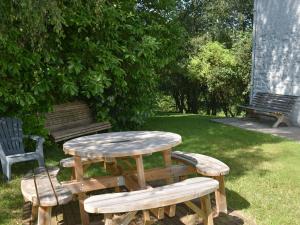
151,198
92,184
121,144
273,105
204,165
47,194
72,120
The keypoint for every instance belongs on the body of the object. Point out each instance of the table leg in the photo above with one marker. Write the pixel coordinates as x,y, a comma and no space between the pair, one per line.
168,162
79,176
112,167
220,194
44,215
140,171
169,210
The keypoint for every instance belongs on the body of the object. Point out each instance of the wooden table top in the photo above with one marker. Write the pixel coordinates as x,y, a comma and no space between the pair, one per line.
120,144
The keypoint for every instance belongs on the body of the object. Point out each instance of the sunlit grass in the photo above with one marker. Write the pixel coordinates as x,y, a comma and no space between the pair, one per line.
264,181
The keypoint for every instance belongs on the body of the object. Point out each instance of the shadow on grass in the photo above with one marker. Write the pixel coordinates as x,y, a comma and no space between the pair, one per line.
235,201
239,149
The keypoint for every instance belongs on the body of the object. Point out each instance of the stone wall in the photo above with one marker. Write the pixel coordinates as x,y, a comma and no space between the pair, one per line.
276,49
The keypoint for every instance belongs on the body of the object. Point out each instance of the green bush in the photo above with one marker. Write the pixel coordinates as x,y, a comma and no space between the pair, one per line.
107,53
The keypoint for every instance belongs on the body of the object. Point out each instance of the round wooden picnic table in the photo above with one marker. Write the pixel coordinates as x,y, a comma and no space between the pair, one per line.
120,144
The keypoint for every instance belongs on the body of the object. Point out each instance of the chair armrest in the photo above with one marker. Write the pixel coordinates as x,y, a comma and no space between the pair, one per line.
39,142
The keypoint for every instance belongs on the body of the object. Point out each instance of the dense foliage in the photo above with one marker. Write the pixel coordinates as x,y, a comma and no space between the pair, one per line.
105,52
117,54
213,72
219,71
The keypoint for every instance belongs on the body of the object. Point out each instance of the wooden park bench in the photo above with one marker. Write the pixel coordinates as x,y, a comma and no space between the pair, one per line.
132,202
72,120
274,105
211,167
41,188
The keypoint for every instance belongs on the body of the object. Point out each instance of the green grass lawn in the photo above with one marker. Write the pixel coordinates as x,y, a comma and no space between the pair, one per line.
264,182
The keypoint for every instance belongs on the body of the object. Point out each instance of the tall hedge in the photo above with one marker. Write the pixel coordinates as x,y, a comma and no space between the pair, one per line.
107,53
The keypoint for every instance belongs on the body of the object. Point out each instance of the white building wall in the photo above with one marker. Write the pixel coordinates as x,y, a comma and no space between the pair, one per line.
276,49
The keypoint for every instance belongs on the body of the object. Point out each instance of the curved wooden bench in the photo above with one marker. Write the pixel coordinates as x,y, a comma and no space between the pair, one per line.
207,166
44,191
184,191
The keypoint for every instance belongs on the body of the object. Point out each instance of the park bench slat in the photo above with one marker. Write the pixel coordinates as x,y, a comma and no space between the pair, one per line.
71,120
275,105
151,198
42,188
205,165
78,131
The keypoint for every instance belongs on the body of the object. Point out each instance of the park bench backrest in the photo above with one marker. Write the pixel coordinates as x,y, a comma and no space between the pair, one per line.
11,136
69,115
274,102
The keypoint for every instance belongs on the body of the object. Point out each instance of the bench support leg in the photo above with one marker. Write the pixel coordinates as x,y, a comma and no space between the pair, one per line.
158,213
112,167
34,212
147,219
170,210
79,176
167,155
125,220
280,119
44,215
207,212
108,219
220,194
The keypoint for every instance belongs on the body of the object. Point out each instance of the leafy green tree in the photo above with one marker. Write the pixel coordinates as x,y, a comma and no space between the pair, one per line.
218,68
228,22
108,53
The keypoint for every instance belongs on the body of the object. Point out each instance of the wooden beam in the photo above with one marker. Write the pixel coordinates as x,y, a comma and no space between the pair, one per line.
131,183
78,167
92,184
170,210
140,171
164,173
220,194
158,213
99,183
195,208
44,215
207,212
147,219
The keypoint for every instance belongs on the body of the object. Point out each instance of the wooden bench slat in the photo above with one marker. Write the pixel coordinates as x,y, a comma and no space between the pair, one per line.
205,165
44,195
151,198
275,105
71,120
75,132
265,110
